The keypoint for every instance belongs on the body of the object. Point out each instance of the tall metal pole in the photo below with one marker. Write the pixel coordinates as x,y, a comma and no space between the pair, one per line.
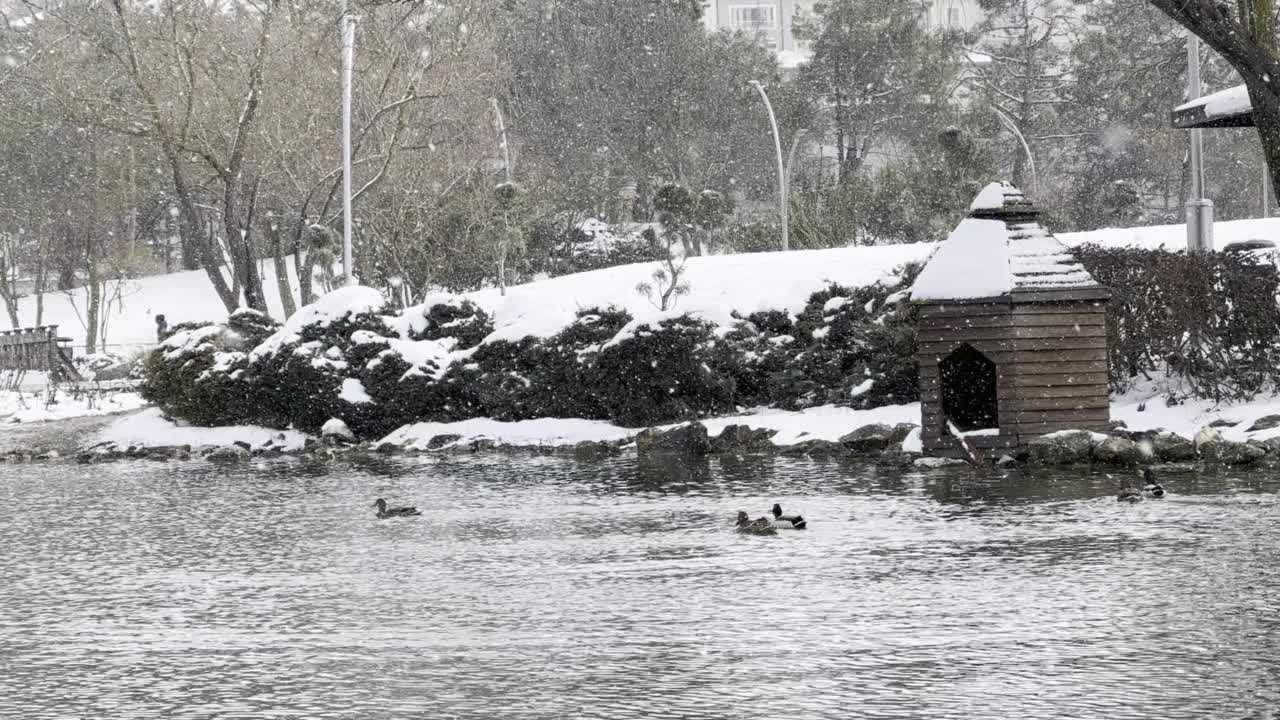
1199,210
782,169
348,53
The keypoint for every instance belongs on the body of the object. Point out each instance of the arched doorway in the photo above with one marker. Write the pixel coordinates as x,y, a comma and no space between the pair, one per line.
968,381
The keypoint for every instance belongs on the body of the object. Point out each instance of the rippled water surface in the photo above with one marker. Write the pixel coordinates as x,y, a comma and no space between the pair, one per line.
548,588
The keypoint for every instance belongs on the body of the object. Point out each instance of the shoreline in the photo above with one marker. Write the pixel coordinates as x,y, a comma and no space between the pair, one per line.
1145,432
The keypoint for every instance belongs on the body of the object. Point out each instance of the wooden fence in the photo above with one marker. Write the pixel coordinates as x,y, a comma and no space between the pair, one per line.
39,349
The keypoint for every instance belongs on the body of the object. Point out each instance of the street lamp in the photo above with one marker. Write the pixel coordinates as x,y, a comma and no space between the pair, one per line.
782,170
348,53
1199,210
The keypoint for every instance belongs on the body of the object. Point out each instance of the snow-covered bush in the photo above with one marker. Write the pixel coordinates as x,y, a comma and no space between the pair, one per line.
854,347
661,372
758,347
299,371
450,316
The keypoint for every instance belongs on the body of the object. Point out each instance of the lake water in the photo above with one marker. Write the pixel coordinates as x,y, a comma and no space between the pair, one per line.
549,588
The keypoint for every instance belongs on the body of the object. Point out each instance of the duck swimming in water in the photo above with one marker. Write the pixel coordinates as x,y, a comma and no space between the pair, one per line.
759,526
787,522
1153,486
1128,494
385,512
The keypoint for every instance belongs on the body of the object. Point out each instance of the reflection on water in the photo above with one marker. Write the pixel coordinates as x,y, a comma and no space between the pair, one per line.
549,588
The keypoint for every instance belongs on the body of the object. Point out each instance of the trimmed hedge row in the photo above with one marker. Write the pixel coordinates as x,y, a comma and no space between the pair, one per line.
376,371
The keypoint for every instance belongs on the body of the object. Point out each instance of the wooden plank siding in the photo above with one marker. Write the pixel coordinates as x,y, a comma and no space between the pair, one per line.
1051,365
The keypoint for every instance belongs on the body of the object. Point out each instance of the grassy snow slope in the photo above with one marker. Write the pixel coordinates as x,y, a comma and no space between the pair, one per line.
718,284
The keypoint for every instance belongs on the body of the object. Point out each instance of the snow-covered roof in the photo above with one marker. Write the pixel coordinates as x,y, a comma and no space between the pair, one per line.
1228,108
1000,250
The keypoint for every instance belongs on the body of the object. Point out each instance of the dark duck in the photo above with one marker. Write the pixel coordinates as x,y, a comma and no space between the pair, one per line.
385,512
759,526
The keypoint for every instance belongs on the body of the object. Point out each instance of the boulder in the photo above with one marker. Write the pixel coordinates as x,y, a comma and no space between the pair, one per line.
690,439
741,438
388,448
595,450
335,429
438,441
229,454
1223,423
933,463
870,439
1170,447
1271,444
1120,451
1061,448
243,444
1229,452
482,445
1267,422
818,449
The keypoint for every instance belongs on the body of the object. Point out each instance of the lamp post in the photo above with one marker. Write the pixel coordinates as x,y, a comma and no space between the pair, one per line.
348,53
782,170
1199,210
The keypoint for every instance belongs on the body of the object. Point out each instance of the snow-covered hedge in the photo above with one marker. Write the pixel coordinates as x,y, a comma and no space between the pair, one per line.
349,356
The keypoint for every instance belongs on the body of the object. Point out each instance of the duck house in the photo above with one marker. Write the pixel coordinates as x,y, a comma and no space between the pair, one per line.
1011,330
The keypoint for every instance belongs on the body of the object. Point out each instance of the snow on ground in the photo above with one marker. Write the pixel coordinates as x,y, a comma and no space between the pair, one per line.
1174,237
821,423
718,284
31,407
149,428
131,324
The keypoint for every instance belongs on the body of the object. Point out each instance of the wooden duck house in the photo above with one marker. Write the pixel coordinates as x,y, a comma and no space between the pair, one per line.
1012,332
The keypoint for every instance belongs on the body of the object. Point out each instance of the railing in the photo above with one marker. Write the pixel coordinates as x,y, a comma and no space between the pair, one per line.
40,349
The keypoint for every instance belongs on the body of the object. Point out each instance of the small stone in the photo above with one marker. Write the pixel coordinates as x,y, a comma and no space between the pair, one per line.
482,445
933,463
1120,451
335,429
230,454
1267,422
593,450
439,441
690,439
388,448
1229,452
242,444
742,438
817,449
1061,448
1170,447
1221,423
870,439
1006,461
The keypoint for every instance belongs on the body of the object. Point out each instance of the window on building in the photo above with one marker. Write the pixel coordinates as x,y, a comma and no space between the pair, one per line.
754,18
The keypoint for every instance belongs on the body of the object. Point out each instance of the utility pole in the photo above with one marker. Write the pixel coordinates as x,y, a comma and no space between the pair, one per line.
782,169
348,55
1199,210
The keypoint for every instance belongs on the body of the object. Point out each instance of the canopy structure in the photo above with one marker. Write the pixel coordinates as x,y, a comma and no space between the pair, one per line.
1230,108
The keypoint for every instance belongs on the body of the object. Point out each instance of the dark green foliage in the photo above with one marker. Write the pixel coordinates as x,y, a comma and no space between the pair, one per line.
463,320
842,345
663,372
602,366
177,376
1210,321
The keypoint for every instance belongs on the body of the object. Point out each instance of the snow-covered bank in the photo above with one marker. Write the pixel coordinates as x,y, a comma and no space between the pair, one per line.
821,423
719,285
826,423
33,407
149,428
